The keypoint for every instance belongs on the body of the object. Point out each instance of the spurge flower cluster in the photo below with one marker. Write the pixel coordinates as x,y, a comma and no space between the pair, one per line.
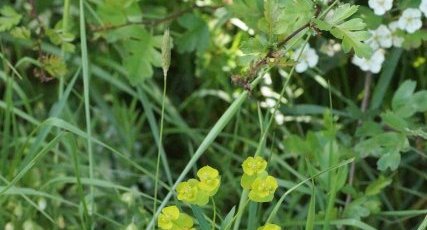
261,185
198,192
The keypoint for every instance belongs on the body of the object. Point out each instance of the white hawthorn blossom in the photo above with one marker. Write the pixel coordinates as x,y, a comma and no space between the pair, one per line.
9,226
331,48
280,118
42,204
410,20
308,59
380,6
268,103
423,7
267,79
372,64
397,40
381,38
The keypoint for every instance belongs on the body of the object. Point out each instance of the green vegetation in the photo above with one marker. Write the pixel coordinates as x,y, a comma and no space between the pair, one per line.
213,114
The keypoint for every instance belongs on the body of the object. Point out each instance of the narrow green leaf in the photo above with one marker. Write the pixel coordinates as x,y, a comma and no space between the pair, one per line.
198,213
311,210
226,223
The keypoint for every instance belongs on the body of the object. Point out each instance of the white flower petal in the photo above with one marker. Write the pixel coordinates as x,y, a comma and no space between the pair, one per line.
410,20
423,7
380,6
301,67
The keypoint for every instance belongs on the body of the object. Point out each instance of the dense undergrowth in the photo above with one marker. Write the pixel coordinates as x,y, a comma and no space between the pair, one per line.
213,114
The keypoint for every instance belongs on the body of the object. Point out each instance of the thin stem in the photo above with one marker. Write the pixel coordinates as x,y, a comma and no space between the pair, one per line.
155,22
214,214
363,107
160,143
65,22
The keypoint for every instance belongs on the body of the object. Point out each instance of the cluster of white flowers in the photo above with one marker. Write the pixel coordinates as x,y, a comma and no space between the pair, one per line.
372,64
308,58
331,48
380,6
381,38
271,98
387,36
410,21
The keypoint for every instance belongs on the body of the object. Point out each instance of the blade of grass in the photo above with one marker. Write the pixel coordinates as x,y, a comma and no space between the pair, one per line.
389,67
56,122
65,23
311,209
32,203
198,213
423,225
75,157
226,223
347,222
86,86
33,162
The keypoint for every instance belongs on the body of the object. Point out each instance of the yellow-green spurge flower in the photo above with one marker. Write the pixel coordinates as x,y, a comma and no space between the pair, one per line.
261,186
270,227
254,165
197,192
172,219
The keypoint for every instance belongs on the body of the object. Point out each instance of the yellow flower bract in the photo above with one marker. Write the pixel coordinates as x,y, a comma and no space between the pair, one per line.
172,219
270,227
263,189
196,191
254,165
209,180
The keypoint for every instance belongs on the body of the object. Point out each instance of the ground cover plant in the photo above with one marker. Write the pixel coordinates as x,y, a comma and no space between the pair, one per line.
213,114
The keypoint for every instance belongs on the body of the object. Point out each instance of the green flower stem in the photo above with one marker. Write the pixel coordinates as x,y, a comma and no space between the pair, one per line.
242,205
160,143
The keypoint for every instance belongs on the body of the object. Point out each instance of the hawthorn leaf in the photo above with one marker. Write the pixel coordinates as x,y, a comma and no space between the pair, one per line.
394,121
403,94
116,13
250,11
142,53
352,32
197,35
9,18
252,49
389,159
296,13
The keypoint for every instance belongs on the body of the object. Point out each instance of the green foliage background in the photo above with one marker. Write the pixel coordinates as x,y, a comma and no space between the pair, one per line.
83,146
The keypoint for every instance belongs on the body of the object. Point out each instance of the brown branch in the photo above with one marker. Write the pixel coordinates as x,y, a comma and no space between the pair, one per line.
273,53
39,72
155,22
